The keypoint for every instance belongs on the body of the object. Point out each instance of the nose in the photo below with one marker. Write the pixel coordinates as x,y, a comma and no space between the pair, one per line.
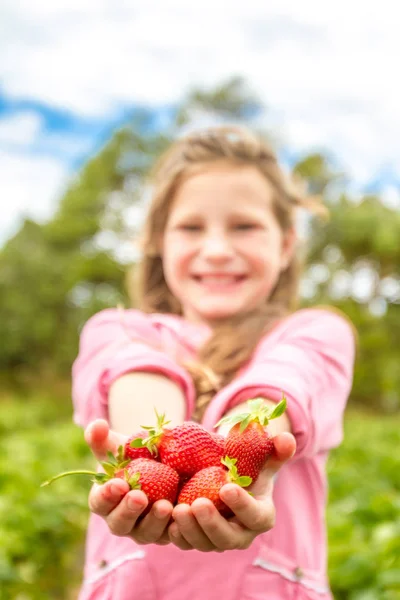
216,247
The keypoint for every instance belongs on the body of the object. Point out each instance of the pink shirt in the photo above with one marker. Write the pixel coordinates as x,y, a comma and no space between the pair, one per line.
309,356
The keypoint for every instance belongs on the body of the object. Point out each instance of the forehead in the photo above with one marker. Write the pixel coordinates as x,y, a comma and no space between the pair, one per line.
238,187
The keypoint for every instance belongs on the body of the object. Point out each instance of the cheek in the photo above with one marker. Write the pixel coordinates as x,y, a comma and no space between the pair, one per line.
175,259
265,255
258,253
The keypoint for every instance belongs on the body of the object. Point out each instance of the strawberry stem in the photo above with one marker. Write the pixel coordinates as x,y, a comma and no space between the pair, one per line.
154,435
82,472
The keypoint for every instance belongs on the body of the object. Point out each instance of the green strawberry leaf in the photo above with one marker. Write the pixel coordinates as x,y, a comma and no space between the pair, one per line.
232,420
109,469
112,458
133,480
100,478
255,405
120,454
137,443
244,481
278,410
258,412
245,423
229,462
124,463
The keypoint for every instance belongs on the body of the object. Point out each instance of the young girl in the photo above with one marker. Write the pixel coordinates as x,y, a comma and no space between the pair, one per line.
217,325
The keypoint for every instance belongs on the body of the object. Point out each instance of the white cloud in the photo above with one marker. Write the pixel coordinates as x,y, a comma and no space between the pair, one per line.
29,187
20,129
327,70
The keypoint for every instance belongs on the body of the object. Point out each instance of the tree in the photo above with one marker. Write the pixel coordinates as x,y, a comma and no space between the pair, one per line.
354,263
54,276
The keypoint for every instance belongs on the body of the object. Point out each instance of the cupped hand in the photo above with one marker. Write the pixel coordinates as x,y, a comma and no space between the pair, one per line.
201,527
120,507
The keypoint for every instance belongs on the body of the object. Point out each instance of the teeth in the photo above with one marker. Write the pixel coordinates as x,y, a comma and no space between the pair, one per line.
210,279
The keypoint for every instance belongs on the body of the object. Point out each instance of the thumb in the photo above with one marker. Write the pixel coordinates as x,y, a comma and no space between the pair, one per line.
101,439
284,450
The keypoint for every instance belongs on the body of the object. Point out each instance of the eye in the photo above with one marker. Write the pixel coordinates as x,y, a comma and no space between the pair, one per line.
245,226
190,227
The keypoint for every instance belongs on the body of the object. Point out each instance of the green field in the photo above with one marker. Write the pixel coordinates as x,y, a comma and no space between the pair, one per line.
44,532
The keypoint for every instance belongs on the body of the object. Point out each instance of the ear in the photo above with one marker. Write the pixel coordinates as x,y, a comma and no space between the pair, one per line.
289,242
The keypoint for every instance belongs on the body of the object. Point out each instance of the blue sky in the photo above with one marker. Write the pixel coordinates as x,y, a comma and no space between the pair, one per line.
71,72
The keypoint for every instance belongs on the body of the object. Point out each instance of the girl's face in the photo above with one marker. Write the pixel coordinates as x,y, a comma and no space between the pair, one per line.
223,249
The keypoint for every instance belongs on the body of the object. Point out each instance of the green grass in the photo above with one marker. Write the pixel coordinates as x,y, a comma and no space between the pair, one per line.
44,532
364,510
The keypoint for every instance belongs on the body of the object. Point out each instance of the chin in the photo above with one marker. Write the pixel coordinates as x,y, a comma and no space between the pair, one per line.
217,314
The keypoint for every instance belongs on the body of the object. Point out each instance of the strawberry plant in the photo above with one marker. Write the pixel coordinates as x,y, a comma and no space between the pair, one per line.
43,534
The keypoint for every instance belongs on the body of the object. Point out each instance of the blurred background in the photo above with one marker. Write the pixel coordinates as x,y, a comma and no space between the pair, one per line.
90,94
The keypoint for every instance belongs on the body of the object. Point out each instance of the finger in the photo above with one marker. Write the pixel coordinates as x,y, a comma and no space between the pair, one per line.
190,529
284,450
177,538
123,518
223,534
104,498
256,515
102,439
152,529
164,540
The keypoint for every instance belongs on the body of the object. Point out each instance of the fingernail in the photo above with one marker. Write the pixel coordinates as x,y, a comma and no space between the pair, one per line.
159,512
115,491
133,504
203,512
231,495
111,492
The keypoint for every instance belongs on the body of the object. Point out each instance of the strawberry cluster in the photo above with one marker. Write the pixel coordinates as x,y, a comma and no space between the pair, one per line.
186,462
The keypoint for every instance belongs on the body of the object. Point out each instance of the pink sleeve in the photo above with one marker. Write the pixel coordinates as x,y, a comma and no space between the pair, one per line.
312,364
111,347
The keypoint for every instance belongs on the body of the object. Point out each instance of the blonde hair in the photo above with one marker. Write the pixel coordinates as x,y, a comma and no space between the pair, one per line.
232,343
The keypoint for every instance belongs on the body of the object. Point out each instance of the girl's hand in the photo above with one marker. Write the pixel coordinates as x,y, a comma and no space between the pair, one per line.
119,506
201,527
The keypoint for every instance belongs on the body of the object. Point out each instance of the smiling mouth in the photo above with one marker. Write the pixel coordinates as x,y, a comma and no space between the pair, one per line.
219,280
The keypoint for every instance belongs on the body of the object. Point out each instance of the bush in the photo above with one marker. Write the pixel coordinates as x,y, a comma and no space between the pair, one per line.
44,532
364,510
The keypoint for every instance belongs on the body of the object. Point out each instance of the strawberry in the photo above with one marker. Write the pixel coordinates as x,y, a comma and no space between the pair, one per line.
132,452
183,479
187,448
208,482
248,441
219,439
156,480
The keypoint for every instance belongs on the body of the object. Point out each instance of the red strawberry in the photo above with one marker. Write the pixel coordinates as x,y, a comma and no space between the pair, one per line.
247,440
187,448
183,479
156,480
132,452
208,482
219,439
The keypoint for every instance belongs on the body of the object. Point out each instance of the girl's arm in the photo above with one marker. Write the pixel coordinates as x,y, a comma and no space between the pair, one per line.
131,402
120,376
134,396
